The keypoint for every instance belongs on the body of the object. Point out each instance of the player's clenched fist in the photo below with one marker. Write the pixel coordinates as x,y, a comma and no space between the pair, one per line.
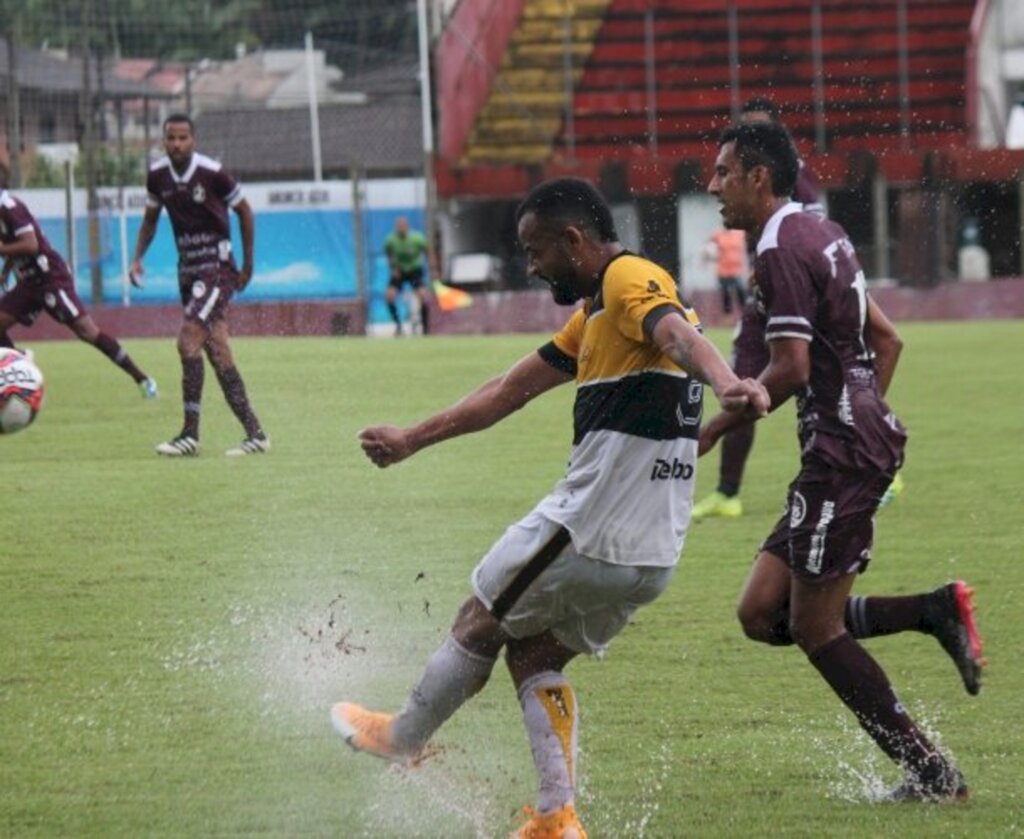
746,395
385,444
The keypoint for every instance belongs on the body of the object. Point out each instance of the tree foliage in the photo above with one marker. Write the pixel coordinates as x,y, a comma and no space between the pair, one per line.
355,33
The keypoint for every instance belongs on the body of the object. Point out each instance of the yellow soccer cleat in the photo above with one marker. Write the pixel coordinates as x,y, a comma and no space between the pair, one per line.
717,504
893,492
558,824
367,731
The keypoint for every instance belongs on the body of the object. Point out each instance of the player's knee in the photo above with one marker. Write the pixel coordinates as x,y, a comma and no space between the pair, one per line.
810,635
86,330
758,624
189,345
477,630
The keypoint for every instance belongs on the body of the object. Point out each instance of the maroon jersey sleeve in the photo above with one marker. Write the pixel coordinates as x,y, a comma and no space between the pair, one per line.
153,189
18,219
226,187
787,292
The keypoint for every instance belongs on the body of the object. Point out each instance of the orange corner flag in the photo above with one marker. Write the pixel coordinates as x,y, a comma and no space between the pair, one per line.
449,299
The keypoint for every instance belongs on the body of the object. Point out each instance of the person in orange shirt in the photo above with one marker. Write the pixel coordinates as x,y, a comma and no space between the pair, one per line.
729,247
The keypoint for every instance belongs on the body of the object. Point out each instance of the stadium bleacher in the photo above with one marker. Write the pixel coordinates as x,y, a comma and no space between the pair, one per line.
871,97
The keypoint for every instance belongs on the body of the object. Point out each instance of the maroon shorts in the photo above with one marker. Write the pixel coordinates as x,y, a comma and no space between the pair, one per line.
206,294
829,523
55,295
750,353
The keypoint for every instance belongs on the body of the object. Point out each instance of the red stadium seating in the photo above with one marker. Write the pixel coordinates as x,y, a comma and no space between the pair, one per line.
862,88
873,99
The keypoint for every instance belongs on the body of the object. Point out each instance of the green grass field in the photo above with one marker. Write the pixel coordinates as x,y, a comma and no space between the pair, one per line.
174,632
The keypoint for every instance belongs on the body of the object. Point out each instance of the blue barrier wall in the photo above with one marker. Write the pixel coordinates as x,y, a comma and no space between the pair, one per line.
305,241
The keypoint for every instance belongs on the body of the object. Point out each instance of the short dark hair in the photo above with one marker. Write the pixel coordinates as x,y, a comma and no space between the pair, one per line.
180,117
761,103
766,144
570,201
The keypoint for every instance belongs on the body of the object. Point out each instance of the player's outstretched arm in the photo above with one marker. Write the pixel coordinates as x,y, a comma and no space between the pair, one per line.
886,344
147,230
26,244
248,227
681,342
787,371
491,402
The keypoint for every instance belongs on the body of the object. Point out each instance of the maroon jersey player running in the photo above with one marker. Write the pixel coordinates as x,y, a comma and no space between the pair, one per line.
811,294
197,191
749,350
44,283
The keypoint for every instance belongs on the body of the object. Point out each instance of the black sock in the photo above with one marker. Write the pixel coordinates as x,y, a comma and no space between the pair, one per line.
191,394
113,350
394,314
736,445
5,341
234,392
864,688
868,617
865,617
425,317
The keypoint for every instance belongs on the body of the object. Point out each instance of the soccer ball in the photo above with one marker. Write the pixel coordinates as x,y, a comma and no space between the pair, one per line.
21,391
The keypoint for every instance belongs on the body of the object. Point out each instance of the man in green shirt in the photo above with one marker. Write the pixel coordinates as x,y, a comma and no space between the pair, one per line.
406,249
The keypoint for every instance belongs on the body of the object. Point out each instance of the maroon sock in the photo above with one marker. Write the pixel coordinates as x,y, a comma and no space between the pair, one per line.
736,447
234,392
192,372
861,683
115,352
868,617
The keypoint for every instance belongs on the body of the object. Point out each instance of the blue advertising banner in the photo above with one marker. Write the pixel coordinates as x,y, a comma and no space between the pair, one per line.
305,241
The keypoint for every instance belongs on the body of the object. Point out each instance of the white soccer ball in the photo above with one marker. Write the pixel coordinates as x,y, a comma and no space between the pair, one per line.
21,390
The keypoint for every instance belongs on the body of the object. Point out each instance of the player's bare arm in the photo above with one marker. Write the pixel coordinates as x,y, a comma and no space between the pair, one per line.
885,342
147,230
25,245
491,402
787,371
681,342
248,228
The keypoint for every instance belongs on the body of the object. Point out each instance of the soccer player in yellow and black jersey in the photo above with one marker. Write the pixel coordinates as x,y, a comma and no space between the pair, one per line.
566,579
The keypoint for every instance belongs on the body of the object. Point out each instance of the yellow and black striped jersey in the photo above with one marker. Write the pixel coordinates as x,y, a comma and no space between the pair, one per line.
627,493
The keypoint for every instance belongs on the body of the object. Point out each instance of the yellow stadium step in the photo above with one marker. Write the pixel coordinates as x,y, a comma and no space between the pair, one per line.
534,153
519,129
523,116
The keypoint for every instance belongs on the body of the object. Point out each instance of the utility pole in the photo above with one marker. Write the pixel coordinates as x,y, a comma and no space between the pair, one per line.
426,107
88,113
14,101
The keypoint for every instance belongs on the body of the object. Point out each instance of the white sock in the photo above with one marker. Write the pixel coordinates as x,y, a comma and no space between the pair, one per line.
549,713
453,674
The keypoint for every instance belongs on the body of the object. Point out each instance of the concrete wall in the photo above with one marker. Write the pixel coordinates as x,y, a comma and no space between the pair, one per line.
523,311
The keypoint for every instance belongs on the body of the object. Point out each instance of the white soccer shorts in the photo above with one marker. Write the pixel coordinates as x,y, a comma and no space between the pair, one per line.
538,582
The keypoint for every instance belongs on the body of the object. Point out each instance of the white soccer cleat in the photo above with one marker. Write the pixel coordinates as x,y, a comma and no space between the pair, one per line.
181,446
148,388
250,445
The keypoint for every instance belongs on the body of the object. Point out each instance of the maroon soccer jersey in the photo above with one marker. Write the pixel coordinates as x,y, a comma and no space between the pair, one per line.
42,267
810,286
197,201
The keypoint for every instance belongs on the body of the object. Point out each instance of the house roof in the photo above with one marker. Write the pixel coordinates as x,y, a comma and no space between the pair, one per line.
50,73
382,135
399,76
165,76
246,79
